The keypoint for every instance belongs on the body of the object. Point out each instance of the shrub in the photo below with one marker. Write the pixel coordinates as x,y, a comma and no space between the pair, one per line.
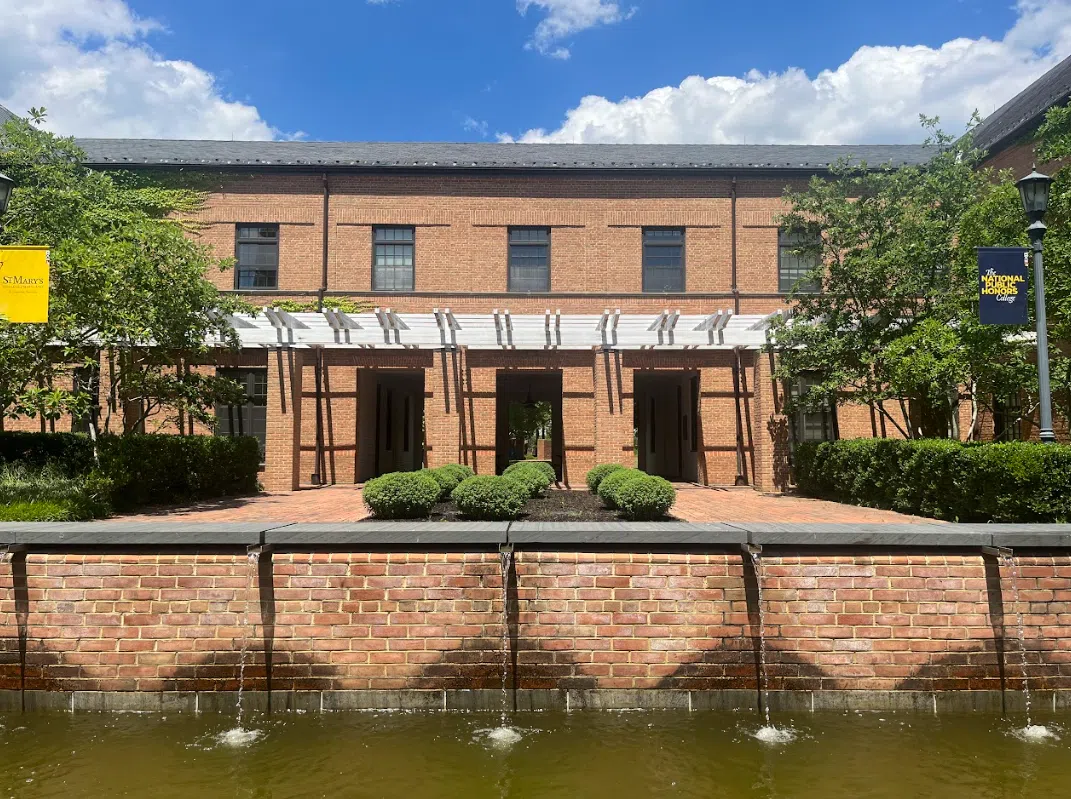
448,477
157,469
612,483
72,453
490,498
1003,482
645,498
401,495
543,467
599,473
529,475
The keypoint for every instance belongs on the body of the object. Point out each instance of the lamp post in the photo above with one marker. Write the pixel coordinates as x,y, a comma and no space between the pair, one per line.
1034,191
6,185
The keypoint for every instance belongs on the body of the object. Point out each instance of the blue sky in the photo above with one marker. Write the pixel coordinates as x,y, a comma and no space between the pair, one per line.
482,69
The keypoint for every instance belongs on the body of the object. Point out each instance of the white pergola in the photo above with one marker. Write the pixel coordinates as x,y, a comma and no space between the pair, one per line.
383,328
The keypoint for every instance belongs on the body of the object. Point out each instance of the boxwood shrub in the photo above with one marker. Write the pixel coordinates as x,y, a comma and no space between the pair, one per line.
543,467
490,498
449,477
599,473
645,498
401,495
72,453
529,475
972,482
612,483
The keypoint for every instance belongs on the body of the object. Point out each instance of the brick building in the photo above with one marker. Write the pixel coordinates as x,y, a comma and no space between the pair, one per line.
623,291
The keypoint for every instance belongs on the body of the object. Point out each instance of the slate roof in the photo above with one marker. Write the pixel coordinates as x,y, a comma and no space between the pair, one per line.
1024,112
5,115
410,155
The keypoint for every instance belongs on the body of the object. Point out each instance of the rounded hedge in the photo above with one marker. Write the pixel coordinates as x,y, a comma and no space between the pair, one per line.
401,495
448,477
490,498
532,478
612,483
600,473
542,466
645,498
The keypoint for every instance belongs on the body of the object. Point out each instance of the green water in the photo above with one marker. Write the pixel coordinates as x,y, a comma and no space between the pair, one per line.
617,755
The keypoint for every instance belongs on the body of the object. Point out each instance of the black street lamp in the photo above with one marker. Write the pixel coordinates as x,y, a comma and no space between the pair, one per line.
1034,191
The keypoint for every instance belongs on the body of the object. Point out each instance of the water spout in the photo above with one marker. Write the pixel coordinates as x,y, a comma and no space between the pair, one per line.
506,562
768,733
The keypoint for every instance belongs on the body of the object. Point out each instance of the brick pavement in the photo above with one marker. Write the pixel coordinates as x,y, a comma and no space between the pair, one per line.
694,504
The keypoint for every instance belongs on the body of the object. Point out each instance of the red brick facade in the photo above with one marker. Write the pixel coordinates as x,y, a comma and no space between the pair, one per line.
848,621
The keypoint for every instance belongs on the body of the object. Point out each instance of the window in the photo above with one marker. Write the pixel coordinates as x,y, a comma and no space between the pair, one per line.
392,258
663,259
811,425
86,381
529,259
1007,418
794,268
257,251
250,419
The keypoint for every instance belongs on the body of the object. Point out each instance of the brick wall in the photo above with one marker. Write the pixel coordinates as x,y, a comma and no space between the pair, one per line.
844,621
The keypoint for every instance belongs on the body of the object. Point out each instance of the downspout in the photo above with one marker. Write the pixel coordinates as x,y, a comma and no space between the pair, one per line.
732,223
319,478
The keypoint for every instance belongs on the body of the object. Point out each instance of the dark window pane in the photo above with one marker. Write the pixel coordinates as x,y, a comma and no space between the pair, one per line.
251,418
257,254
795,268
392,266
529,259
663,259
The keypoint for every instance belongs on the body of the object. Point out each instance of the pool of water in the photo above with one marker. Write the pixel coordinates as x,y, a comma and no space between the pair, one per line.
608,754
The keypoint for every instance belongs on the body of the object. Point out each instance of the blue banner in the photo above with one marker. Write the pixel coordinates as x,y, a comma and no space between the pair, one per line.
1003,280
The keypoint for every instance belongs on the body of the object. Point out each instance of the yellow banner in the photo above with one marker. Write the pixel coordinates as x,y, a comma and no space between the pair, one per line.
24,284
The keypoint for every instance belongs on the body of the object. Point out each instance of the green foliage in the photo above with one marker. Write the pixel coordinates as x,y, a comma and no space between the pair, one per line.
541,466
895,324
612,483
448,477
490,498
123,274
1012,482
531,476
342,304
49,494
645,498
401,495
599,473
526,424
71,453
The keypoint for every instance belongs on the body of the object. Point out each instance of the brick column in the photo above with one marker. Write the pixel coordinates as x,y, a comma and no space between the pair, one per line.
442,409
614,418
578,424
283,448
770,427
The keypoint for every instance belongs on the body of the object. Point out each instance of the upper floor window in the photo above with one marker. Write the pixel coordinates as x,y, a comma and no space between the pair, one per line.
392,258
250,419
257,251
529,259
663,259
794,267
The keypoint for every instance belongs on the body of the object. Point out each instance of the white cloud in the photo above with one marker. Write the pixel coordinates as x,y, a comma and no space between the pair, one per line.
475,126
88,64
566,17
875,96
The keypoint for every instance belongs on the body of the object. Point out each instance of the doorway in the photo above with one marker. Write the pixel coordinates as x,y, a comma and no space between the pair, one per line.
666,409
528,419
390,422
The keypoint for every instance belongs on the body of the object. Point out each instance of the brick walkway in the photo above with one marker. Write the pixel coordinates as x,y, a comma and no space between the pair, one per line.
694,504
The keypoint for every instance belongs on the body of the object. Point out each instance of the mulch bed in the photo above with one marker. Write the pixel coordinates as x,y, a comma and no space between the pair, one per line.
556,506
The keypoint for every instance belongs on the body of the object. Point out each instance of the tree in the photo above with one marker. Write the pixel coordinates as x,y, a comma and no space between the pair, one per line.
894,323
128,289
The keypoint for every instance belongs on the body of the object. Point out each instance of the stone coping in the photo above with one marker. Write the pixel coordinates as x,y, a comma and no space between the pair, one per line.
482,536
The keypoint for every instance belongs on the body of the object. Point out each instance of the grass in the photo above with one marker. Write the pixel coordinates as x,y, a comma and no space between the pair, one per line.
49,495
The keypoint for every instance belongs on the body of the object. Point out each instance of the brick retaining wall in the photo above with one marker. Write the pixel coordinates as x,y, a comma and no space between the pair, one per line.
835,620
